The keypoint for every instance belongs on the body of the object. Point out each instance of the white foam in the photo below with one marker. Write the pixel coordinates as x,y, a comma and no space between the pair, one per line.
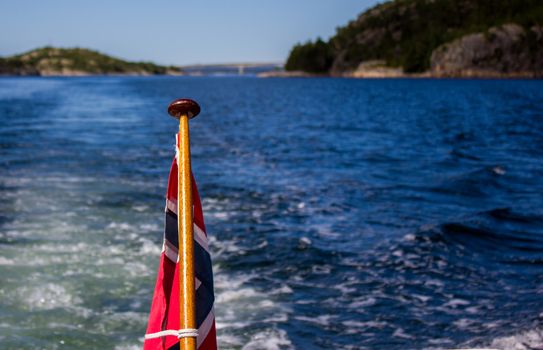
304,242
149,228
463,323
47,296
262,244
362,302
61,248
400,333
454,303
149,248
422,298
498,170
229,341
122,226
434,283
128,317
367,324
276,318
220,215
136,268
228,246
240,294
136,346
273,339
409,237
345,288
321,270
227,323
265,304
327,232
284,289
5,261
532,339
140,208
239,306
473,310
441,341
322,320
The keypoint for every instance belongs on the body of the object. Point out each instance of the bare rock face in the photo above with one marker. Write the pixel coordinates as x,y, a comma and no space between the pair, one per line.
505,51
376,69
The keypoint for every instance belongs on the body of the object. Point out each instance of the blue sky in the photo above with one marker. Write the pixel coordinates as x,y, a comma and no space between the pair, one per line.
174,32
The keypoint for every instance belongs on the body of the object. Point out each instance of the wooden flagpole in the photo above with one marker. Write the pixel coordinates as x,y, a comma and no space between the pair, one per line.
185,109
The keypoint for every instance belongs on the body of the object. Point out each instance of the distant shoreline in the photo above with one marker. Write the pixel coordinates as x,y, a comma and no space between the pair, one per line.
285,75
85,75
379,74
80,62
52,61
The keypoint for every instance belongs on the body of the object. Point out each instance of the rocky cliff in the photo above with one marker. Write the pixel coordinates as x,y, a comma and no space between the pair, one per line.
505,51
442,38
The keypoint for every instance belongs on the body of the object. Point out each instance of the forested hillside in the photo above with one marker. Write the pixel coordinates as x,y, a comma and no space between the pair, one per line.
75,61
406,33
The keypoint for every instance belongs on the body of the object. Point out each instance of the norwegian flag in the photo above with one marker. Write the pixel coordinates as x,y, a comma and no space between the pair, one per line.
163,322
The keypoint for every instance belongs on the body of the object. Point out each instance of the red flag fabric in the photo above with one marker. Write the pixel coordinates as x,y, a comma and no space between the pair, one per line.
163,325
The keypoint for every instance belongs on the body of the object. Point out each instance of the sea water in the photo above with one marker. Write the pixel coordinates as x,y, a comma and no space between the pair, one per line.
342,214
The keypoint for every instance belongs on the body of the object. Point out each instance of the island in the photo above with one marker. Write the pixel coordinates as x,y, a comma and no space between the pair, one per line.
51,61
430,38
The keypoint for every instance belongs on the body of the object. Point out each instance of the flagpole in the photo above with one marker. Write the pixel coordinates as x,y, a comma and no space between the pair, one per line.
185,109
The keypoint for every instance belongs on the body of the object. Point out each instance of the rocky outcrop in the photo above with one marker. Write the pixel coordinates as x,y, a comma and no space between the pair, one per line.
50,61
285,74
505,51
375,69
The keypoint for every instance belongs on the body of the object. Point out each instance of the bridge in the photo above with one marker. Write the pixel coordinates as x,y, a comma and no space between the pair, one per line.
230,68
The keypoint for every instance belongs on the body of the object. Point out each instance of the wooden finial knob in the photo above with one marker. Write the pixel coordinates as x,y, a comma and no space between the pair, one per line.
184,106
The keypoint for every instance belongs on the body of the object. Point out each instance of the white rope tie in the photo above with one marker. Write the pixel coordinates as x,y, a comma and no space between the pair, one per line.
182,333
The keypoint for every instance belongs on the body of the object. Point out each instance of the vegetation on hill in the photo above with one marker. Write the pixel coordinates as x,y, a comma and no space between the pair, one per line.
75,61
311,57
404,33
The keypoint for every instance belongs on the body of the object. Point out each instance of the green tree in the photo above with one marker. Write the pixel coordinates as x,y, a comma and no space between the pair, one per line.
312,57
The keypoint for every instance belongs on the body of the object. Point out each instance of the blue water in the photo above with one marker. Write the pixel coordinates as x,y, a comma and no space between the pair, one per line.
344,214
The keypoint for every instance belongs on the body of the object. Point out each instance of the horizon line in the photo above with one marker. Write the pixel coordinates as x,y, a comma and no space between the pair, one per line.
190,65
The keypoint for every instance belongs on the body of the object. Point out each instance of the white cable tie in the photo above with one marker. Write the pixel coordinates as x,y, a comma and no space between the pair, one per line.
182,333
